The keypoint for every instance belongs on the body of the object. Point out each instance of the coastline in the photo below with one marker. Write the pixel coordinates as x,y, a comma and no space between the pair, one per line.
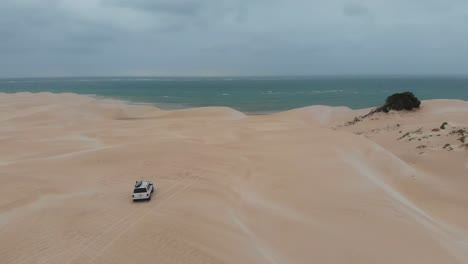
250,95
174,107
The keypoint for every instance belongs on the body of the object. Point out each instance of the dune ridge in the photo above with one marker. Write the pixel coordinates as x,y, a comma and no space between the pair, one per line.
298,186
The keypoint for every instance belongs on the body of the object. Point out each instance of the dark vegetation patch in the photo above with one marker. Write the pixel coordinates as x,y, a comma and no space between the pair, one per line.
395,102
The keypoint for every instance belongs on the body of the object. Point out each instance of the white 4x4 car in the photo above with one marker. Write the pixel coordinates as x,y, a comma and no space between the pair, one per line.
143,190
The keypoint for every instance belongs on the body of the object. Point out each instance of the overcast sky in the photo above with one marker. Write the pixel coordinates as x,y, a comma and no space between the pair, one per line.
228,37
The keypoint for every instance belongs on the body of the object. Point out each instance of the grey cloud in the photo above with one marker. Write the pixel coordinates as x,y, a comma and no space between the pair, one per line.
209,9
174,7
181,15
355,9
232,37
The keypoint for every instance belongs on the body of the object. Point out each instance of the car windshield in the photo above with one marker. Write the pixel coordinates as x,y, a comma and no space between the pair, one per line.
139,190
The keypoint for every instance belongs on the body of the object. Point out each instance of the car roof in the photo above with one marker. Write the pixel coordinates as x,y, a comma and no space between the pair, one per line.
144,184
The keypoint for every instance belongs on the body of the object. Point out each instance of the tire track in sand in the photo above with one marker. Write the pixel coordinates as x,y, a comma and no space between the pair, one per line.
93,245
171,196
87,242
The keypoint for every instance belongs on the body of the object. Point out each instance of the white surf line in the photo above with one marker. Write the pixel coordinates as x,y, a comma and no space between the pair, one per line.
260,247
143,216
90,242
413,210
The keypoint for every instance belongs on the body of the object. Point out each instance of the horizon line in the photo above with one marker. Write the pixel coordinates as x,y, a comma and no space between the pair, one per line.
250,76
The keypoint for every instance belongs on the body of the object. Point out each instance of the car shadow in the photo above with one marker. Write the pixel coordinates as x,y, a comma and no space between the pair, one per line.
142,201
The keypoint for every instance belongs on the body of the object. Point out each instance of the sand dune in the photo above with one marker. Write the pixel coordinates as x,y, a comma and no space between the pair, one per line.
301,186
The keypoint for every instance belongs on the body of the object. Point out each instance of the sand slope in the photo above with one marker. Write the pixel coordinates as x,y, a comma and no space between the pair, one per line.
292,187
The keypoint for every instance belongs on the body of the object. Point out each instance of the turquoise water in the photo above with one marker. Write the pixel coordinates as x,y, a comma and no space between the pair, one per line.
249,95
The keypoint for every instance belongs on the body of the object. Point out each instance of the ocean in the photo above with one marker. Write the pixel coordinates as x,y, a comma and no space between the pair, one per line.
248,94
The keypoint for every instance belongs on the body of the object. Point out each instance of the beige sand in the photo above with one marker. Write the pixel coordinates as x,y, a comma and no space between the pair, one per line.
293,187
